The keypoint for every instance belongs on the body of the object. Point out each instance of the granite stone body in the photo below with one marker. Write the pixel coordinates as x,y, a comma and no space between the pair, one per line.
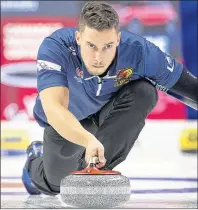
95,191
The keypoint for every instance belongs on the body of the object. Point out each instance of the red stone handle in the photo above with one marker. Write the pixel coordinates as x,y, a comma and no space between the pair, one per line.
92,170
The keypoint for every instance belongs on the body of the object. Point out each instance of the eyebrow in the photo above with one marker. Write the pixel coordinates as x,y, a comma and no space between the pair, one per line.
104,44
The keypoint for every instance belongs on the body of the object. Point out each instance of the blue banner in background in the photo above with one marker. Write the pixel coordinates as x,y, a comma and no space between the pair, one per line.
188,11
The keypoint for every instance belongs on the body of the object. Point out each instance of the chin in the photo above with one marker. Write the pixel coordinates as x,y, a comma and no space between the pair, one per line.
99,73
95,72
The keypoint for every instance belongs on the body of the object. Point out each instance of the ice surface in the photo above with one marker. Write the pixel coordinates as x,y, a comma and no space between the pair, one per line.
161,176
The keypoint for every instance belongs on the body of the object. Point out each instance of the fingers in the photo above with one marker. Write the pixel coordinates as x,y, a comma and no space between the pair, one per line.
100,155
95,149
100,165
101,158
90,155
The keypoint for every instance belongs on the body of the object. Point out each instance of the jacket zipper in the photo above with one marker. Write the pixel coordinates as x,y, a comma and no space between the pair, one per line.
99,86
100,81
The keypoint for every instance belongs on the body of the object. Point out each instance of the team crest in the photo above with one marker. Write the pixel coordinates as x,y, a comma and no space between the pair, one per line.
123,76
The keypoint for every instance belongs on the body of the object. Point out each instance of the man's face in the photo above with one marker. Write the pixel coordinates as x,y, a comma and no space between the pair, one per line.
98,48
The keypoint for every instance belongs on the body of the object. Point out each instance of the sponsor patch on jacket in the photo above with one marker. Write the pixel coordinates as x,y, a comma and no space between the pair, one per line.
41,64
123,76
79,75
170,63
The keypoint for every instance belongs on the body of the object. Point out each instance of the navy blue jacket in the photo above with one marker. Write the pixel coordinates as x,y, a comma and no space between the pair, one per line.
59,63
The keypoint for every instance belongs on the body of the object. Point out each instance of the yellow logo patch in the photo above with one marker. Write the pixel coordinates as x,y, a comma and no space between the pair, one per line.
123,76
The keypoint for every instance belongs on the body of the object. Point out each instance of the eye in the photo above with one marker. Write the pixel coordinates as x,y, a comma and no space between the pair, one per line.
91,46
108,46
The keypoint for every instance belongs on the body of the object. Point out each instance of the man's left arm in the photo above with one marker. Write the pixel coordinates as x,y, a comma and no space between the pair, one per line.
187,86
170,76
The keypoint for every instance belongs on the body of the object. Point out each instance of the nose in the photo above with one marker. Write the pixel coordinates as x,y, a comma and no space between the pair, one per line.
98,57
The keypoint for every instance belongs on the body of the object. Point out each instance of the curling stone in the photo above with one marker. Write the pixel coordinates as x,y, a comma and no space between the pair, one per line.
94,188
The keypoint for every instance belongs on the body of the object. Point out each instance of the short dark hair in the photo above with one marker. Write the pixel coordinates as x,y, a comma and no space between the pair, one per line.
99,16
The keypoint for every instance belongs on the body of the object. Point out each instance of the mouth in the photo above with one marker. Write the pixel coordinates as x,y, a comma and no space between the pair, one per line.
98,66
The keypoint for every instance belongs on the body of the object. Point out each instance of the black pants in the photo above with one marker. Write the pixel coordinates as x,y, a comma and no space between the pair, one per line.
117,126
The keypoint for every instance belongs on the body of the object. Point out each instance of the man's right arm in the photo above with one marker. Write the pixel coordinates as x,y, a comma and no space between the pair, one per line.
55,102
52,84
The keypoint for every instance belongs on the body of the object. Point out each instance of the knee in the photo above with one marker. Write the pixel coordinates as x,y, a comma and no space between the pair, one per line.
141,93
149,95
146,91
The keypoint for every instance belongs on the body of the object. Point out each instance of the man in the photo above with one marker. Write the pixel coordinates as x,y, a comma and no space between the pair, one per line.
94,96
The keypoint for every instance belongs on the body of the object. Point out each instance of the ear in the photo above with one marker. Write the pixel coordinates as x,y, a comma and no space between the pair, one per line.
77,36
119,37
